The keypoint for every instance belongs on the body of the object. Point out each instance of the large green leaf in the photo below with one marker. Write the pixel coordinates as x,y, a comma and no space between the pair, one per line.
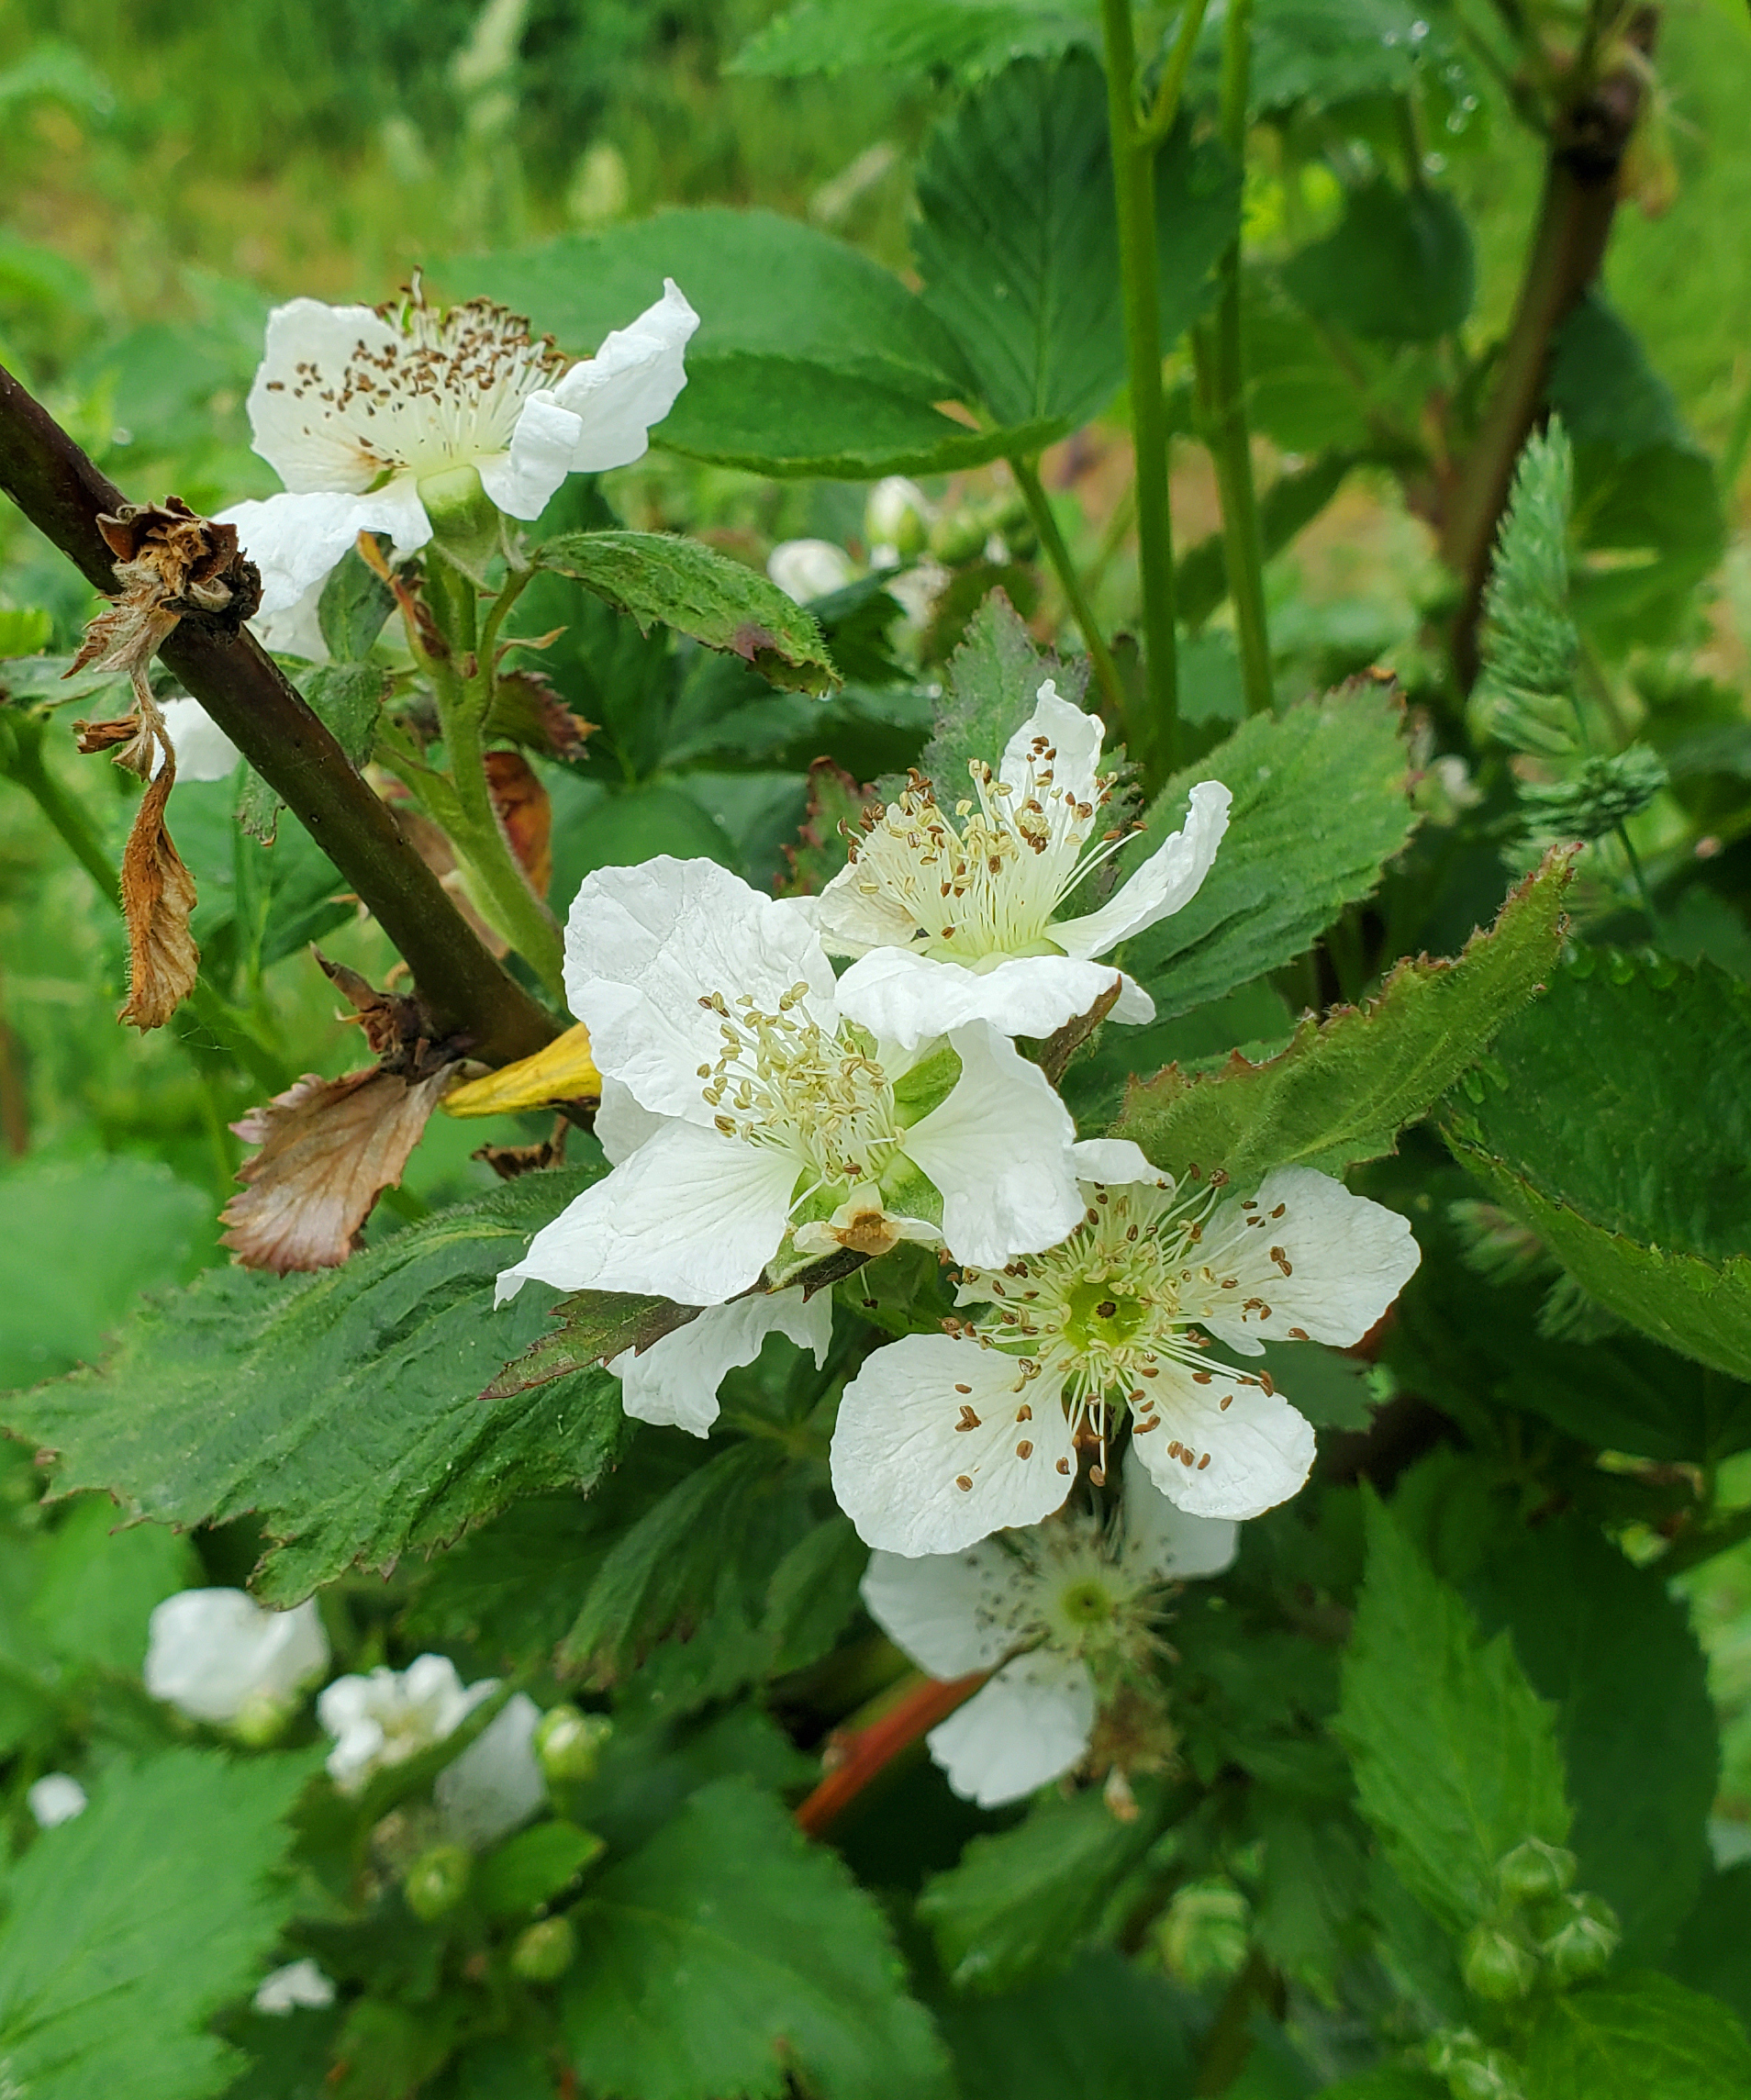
1317,52
1345,1086
342,1410
1397,268
726,1955
1017,243
128,1927
909,36
1455,1754
1108,2027
1637,2038
1713,1950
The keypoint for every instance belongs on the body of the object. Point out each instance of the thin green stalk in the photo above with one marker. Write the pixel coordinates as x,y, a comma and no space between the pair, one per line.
1152,732
1221,394
1163,111
1026,479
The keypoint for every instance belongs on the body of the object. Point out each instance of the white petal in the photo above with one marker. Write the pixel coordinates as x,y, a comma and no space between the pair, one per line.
692,1215
1029,1725
295,539
298,1984
1075,735
521,482
56,1798
998,1152
309,442
1161,1539
497,1781
645,944
900,1455
952,1613
620,1125
629,384
213,1653
907,998
202,750
1260,1450
675,1380
296,632
1114,1163
1348,1260
851,920
809,569
1168,880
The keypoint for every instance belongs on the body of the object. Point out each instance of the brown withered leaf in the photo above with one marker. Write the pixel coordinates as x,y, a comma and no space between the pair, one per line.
836,804
329,1147
528,710
509,1161
395,1023
157,898
133,738
525,813
169,561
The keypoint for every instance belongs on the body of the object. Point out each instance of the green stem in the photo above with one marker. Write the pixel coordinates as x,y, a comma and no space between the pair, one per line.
1222,393
1026,479
1165,110
1151,731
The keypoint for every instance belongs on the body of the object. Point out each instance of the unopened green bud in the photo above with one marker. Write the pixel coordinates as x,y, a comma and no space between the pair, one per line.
545,1950
959,538
261,1720
1496,1966
465,521
1471,2071
1578,1934
437,1882
569,1744
1534,1872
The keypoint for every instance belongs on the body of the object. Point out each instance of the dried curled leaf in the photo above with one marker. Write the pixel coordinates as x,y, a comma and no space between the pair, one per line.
169,561
525,813
329,1147
158,898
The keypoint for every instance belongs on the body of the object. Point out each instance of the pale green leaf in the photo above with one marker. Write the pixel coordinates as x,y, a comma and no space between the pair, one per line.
1107,2030
1397,268
908,36
1637,2038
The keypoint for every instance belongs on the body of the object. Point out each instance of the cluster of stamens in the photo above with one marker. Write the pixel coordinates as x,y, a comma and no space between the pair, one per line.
987,879
782,1078
1077,1596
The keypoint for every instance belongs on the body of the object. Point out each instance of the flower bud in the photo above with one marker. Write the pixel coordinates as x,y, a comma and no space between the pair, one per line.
437,1882
1534,1872
809,569
1471,2071
465,521
545,1950
960,537
896,519
1579,1936
569,1744
1498,1966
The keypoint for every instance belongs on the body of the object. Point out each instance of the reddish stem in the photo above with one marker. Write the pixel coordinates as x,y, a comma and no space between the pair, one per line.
855,1756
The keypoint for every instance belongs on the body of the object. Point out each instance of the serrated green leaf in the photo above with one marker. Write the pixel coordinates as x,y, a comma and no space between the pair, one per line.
1018,244
342,1410
1106,2027
907,35
532,1867
1455,1754
1021,1904
1321,789
990,684
1713,1950
593,1327
1346,1087
702,594
1397,268
127,1928
1317,53
1637,2038
96,1585
813,1593
728,1953
348,697
354,604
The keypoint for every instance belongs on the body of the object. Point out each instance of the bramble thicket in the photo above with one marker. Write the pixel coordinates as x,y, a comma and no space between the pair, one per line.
875,1040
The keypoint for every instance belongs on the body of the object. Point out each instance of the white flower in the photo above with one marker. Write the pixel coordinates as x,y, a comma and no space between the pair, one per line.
298,1984
950,907
758,1112
943,1439
1055,1612
808,569
202,750
56,1798
356,408
497,1781
391,1715
217,1657
674,1381
898,517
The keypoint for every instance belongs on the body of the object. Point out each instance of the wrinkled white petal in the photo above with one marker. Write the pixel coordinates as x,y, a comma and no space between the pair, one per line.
298,1984
56,1798
521,482
692,1215
296,632
1113,1162
809,569
675,1380
1073,734
202,750
1165,882
629,384
497,1781
391,1716
905,997
213,1654
1161,1540
295,539
310,442
998,1152
1260,1450
900,1455
1347,1260
620,1125
852,922
645,944
952,1613
1031,1723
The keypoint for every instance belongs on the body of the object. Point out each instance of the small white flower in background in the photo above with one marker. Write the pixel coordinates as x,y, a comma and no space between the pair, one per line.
951,906
809,569
497,1781
742,1107
943,1439
674,1381
298,1984
365,413
1060,1613
217,1656
897,518
56,1798
202,750
391,1716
